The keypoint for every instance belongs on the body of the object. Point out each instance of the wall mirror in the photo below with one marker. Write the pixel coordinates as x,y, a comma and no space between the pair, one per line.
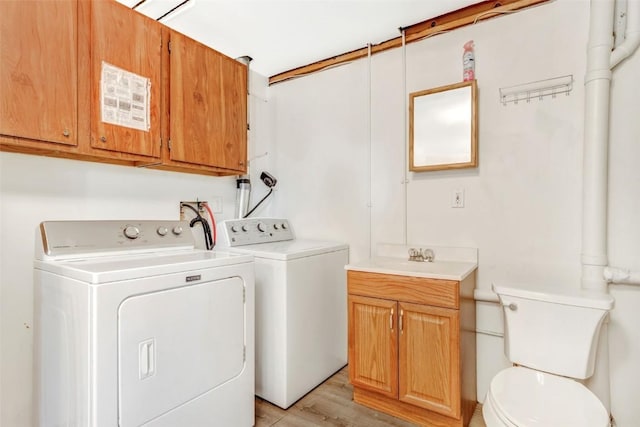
443,128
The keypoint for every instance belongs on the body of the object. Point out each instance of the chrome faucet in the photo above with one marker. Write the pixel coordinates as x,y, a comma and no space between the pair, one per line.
421,255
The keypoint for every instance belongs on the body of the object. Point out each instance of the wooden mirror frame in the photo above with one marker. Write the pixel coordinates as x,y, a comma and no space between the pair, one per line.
440,127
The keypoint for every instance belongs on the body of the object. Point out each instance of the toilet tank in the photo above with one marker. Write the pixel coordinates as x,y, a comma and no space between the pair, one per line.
553,330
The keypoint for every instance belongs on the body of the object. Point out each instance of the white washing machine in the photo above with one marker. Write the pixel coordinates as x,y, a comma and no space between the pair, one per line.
135,327
301,306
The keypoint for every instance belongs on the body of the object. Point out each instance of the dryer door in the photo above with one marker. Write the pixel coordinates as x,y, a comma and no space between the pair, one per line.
174,345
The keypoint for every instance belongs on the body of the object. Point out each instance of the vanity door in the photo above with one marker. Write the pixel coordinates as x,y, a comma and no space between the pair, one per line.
373,345
429,358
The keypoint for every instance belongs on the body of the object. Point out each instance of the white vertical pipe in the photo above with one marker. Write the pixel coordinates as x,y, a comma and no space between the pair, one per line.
631,35
595,176
620,22
595,157
600,62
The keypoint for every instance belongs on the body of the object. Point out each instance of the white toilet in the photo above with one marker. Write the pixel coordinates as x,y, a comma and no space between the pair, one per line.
552,339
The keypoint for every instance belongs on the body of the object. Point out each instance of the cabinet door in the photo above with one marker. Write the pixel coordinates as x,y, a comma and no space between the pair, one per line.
208,106
373,346
39,70
234,113
131,42
430,358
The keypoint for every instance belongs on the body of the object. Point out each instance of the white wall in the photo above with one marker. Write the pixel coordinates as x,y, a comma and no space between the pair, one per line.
261,149
321,140
522,204
336,142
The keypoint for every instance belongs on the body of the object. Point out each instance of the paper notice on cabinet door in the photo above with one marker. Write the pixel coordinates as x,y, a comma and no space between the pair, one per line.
125,98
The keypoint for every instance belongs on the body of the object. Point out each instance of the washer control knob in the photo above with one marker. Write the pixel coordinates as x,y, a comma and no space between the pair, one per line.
234,228
284,225
162,231
131,232
244,228
262,227
276,226
177,230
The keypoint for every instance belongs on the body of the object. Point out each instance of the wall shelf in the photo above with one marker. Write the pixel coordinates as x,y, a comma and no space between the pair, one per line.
539,89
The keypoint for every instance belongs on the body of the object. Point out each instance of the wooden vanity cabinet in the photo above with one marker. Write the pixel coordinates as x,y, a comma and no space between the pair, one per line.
412,346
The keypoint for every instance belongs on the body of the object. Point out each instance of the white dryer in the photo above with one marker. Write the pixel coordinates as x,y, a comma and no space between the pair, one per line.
133,326
301,306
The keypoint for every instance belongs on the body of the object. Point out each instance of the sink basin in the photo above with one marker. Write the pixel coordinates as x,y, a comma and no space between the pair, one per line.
449,270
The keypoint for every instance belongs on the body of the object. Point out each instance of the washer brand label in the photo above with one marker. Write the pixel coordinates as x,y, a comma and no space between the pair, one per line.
193,278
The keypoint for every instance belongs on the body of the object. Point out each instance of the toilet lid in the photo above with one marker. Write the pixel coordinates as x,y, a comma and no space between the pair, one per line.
529,398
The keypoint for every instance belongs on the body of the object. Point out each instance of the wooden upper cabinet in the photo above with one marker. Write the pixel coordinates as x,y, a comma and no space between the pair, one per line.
94,80
207,106
372,344
430,358
38,70
132,43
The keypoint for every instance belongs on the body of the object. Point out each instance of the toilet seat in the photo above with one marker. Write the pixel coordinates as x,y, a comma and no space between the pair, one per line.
491,416
523,397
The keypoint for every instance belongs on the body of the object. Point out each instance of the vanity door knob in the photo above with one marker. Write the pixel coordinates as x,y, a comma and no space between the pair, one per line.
66,133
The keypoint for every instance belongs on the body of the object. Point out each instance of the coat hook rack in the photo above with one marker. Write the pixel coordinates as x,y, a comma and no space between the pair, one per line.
539,89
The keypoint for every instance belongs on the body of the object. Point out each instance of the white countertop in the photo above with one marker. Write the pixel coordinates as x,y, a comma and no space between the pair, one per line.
447,270
458,263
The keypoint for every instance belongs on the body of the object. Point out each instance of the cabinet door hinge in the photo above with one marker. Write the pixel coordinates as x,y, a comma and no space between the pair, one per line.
161,143
169,144
169,47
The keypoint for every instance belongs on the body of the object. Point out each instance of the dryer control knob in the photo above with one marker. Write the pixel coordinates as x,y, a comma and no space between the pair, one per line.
177,230
162,231
276,226
234,228
244,228
262,227
131,232
284,225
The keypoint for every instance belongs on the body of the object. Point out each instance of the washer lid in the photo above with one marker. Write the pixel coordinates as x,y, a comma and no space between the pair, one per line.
291,249
531,398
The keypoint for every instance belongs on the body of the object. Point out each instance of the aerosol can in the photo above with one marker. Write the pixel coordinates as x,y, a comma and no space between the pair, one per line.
468,62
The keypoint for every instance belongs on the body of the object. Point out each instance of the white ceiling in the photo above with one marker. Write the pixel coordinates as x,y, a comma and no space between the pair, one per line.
284,34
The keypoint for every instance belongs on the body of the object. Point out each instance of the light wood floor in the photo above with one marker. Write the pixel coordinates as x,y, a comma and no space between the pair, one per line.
331,404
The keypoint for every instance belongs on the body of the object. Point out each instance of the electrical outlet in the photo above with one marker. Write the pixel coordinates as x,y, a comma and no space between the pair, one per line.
186,213
215,203
457,198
